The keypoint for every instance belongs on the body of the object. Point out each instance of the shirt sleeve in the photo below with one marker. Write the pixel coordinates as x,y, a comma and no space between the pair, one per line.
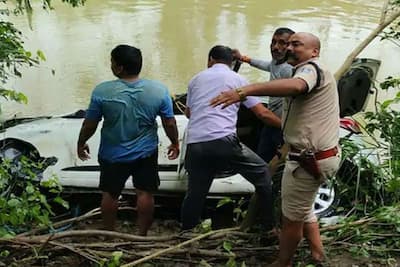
251,101
94,111
166,108
287,72
189,94
307,73
261,64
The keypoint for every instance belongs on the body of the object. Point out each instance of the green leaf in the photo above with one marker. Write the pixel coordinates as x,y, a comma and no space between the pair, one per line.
61,201
386,103
227,246
41,55
29,189
224,201
4,253
13,202
231,262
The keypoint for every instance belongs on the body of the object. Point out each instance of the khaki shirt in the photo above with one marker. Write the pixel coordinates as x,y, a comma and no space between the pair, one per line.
311,120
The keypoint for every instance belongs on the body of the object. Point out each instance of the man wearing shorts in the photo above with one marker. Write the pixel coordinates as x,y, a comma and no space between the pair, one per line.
128,147
310,124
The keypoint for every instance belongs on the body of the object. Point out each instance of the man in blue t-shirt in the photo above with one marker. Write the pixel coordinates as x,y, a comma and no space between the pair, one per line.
128,146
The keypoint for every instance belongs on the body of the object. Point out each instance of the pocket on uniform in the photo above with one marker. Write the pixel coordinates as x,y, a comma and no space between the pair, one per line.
329,167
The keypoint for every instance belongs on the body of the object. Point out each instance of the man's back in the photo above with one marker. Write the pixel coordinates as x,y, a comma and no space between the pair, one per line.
129,110
207,123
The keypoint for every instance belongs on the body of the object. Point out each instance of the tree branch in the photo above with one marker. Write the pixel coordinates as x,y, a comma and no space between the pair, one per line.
349,60
164,251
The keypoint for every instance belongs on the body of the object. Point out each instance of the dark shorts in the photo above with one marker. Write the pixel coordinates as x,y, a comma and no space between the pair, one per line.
113,175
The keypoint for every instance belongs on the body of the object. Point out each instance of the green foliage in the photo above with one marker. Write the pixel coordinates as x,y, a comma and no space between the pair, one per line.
392,33
372,178
371,187
227,245
22,203
25,5
204,226
115,260
377,236
239,210
13,55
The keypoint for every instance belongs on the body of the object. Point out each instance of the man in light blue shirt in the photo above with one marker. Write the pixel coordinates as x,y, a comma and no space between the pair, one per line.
128,146
213,145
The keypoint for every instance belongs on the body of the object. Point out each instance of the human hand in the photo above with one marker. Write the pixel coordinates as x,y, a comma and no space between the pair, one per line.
236,54
83,152
173,151
226,98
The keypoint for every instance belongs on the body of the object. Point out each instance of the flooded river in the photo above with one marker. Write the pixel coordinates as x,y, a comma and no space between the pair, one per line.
175,37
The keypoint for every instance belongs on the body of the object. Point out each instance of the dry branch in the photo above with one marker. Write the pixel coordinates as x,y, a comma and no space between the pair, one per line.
91,233
75,250
338,226
89,214
165,251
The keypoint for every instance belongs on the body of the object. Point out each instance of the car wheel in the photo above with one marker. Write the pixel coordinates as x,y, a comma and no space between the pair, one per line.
12,151
326,200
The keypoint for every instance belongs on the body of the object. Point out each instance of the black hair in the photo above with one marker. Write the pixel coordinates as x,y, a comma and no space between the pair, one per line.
283,30
129,57
222,54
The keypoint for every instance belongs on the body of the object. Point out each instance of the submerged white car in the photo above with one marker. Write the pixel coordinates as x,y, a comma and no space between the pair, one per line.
52,140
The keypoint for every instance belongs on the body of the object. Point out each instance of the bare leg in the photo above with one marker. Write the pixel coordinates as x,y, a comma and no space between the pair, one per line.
291,234
145,210
311,233
109,209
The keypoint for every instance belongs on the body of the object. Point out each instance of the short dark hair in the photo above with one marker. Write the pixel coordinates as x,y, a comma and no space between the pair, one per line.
129,57
221,53
283,30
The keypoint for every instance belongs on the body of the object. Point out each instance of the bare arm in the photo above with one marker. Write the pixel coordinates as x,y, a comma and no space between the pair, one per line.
266,115
187,112
281,87
257,63
87,130
170,128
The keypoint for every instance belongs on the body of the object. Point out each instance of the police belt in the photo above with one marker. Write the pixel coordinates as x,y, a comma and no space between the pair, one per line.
324,154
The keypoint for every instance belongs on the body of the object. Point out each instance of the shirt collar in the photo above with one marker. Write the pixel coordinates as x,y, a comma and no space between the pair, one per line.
131,84
220,66
305,62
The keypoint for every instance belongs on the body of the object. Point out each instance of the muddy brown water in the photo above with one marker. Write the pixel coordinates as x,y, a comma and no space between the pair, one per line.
175,37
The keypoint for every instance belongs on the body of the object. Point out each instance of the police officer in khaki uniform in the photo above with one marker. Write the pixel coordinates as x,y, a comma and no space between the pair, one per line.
310,125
